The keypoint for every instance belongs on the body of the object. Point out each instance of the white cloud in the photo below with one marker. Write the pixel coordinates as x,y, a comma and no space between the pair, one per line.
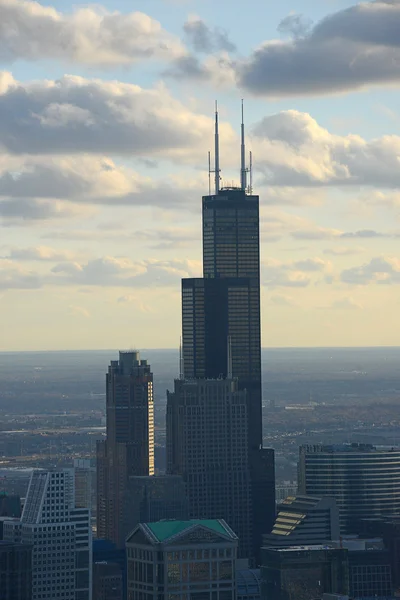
292,149
75,115
89,36
39,253
107,271
383,270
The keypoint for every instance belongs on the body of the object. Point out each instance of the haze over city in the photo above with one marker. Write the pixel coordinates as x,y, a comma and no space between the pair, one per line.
106,118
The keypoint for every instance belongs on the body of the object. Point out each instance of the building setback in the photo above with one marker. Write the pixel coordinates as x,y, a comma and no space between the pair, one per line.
304,520
182,559
129,447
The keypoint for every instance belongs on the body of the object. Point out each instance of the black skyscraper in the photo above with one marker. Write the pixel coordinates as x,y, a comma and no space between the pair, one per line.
221,320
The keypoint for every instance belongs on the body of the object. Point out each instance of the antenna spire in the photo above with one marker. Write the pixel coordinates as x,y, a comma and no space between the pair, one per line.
217,169
243,170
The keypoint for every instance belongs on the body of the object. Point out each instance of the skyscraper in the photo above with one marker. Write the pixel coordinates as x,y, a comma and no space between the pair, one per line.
15,571
207,445
129,447
221,319
60,535
364,480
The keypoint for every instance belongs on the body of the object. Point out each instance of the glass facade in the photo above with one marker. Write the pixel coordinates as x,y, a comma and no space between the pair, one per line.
129,447
222,310
364,480
226,302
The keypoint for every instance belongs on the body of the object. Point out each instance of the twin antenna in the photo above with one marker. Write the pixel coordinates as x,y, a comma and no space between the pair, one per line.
243,169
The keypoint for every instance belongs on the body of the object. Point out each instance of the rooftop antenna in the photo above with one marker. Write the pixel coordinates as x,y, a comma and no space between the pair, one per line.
243,170
229,374
209,173
251,173
217,169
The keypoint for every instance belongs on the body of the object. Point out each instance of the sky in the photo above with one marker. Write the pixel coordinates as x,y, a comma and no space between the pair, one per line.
106,120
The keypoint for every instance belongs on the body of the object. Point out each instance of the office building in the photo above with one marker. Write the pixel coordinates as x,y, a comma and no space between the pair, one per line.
364,480
15,571
107,581
157,498
303,572
60,536
207,445
129,447
304,520
182,559
221,329
285,490
85,478
387,528
248,584
106,552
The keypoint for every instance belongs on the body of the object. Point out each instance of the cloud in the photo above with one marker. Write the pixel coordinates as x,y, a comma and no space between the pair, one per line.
380,270
344,251
130,299
39,253
75,115
347,303
291,196
292,149
79,311
281,300
217,69
107,271
88,36
34,209
348,50
206,39
296,274
122,272
16,277
295,25
32,187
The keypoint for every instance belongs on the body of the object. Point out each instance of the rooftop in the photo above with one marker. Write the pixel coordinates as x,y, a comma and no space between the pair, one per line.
164,530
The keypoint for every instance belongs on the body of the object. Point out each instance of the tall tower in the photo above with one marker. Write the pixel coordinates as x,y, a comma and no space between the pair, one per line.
129,447
221,317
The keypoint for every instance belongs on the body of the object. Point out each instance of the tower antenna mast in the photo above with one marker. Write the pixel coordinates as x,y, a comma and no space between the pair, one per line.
217,169
243,170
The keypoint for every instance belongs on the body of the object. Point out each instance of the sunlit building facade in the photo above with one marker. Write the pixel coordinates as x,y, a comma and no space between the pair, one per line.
129,447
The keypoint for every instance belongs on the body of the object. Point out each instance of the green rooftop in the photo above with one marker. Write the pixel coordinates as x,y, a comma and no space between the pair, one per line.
166,529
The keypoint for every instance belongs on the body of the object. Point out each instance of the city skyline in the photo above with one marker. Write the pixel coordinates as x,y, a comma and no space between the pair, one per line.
103,161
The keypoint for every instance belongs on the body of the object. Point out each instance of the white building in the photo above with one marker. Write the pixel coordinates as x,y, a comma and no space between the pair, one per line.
60,535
